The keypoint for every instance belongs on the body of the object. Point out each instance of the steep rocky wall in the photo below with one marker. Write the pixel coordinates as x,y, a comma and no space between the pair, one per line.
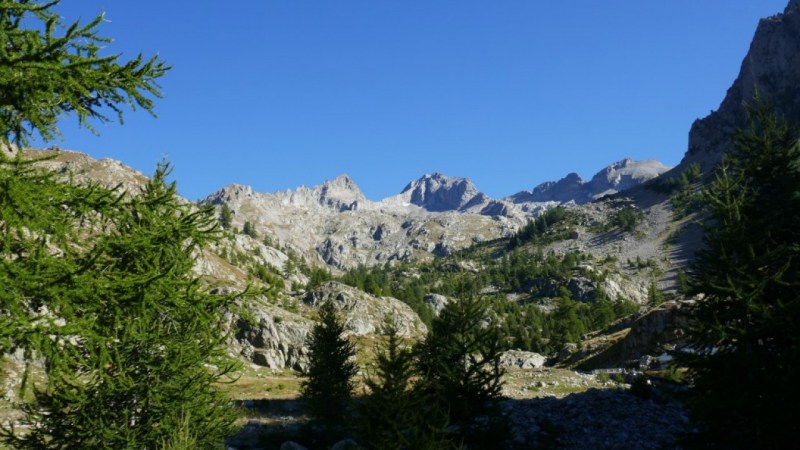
772,68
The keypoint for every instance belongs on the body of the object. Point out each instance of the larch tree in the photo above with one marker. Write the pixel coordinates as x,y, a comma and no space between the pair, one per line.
131,342
49,69
393,415
460,373
746,334
97,284
328,384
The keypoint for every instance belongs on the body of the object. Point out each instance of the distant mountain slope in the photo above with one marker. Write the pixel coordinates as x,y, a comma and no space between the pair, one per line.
335,224
617,177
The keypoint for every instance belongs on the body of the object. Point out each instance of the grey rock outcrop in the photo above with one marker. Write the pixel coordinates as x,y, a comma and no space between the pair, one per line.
518,359
272,337
582,289
82,168
623,175
437,192
436,302
665,326
564,190
333,224
772,67
363,313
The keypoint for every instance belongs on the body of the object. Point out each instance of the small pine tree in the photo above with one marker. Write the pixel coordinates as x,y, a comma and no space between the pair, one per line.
459,363
328,384
393,415
683,281
226,217
249,230
386,411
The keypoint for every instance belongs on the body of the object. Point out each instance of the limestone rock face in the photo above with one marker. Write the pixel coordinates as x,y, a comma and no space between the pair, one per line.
623,175
664,326
772,66
340,194
334,224
272,337
566,189
83,169
363,313
635,290
518,359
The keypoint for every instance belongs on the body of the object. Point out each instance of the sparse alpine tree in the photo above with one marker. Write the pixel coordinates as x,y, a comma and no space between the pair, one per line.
328,384
249,230
746,331
226,217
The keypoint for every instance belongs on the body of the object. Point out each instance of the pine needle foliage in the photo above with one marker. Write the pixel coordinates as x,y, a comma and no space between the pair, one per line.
98,285
394,415
328,384
459,362
49,69
745,331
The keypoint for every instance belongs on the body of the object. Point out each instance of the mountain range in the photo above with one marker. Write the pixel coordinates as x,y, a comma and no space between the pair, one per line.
335,224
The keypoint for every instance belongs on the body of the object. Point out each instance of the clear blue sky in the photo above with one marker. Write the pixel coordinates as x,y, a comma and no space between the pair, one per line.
276,94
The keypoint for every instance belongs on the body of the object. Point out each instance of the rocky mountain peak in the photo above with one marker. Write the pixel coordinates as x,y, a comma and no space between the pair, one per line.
438,192
571,178
343,182
340,194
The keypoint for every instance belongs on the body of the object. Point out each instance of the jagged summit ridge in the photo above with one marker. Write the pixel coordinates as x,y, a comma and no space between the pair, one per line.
617,177
337,195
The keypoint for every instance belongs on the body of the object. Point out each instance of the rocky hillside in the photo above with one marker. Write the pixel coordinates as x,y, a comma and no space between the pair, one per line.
342,231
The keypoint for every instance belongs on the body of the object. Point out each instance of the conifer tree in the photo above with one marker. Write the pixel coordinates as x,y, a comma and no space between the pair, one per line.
328,386
249,230
125,331
394,415
226,217
97,284
745,332
49,69
459,363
